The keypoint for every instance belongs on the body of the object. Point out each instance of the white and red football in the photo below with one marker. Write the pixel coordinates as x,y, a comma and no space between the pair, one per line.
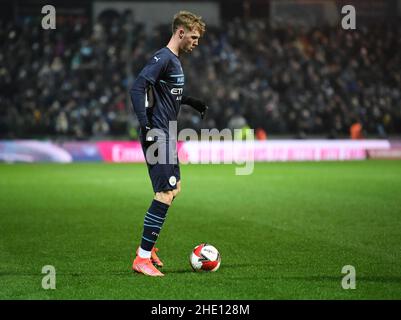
205,257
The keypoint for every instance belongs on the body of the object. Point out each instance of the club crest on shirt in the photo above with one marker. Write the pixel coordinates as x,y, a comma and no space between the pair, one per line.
172,181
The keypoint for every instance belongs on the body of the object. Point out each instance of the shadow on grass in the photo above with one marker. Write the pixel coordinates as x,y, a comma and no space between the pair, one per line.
183,270
223,267
186,270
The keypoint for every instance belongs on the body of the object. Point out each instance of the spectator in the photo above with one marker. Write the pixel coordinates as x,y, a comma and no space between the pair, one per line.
74,81
356,131
261,134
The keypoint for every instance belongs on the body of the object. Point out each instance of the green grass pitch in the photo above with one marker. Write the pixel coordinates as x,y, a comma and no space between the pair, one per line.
284,232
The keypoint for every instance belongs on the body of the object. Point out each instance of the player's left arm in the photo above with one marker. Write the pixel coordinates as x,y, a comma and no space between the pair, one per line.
195,103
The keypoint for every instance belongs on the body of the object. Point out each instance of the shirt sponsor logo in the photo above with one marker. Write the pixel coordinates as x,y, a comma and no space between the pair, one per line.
177,91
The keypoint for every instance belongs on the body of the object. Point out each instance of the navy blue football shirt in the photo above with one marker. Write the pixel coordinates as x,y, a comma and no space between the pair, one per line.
157,91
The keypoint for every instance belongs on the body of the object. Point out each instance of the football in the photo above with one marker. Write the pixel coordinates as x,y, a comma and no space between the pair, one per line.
205,257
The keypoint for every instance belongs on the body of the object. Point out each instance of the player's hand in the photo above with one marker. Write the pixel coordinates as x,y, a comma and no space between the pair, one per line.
148,138
197,104
200,106
203,113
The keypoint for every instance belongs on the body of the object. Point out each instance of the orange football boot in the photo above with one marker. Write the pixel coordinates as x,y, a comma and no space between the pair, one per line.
154,258
146,267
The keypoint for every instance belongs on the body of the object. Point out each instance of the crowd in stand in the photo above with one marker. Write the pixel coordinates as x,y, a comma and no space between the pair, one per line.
74,81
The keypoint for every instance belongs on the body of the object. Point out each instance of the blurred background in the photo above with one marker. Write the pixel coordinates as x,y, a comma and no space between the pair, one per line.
284,68
311,90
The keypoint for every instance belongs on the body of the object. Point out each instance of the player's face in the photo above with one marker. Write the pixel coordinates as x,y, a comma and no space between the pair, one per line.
190,40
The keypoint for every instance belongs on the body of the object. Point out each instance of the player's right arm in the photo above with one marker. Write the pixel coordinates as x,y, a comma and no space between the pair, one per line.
148,77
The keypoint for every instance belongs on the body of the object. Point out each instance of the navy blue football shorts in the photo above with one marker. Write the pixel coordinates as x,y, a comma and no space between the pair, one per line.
163,166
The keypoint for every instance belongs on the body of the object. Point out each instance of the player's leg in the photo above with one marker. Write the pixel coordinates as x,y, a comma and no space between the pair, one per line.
153,223
154,219
163,182
165,197
164,179
177,174
177,191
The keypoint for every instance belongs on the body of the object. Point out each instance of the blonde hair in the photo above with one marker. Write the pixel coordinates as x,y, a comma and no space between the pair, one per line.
189,21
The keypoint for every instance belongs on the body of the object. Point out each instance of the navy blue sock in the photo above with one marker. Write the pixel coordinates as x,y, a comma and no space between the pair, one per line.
153,223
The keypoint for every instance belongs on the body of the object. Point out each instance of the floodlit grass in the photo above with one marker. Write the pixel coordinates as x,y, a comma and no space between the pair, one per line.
284,232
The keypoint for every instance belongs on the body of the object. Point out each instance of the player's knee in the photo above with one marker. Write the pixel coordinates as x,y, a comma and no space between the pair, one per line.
165,197
177,191
178,187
